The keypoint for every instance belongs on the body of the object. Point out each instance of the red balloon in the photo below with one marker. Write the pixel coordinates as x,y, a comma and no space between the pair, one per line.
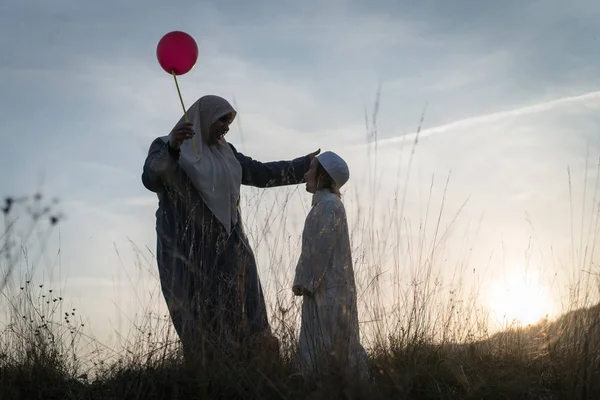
177,52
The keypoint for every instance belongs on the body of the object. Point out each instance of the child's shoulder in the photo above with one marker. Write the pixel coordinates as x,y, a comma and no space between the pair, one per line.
327,206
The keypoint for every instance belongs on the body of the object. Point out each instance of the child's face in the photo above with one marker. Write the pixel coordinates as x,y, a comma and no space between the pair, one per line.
311,177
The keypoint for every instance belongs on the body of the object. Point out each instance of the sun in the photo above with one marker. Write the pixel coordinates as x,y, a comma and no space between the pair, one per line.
520,297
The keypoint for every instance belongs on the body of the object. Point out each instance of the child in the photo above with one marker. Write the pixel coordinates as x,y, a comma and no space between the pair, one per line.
329,334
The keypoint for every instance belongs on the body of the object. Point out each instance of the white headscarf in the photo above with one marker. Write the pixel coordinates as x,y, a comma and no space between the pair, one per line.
216,173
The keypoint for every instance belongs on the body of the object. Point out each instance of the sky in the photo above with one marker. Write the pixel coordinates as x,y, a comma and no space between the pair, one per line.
509,93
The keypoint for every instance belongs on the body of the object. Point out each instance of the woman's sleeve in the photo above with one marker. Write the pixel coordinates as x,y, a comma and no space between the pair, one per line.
161,163
321,231
272,174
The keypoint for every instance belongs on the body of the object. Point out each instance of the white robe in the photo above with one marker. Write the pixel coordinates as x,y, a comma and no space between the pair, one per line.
329,334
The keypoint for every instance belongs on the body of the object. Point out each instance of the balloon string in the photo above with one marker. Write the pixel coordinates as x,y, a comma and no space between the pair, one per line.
184,111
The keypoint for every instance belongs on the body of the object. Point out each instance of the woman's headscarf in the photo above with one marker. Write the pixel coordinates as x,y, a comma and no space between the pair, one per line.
216,173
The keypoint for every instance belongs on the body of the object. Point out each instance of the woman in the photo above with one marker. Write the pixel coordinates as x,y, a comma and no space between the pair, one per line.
329,334
207,269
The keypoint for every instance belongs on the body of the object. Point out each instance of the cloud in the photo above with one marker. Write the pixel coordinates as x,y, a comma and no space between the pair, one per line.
588,100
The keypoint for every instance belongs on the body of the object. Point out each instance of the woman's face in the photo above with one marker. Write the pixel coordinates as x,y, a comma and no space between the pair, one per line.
218,129
311,177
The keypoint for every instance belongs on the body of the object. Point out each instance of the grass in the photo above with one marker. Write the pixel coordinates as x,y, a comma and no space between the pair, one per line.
427,339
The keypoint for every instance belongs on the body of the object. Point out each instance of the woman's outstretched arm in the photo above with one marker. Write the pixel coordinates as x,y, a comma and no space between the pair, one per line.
272,174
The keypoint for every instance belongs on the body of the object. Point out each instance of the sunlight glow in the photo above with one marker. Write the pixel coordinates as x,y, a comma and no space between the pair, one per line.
520,298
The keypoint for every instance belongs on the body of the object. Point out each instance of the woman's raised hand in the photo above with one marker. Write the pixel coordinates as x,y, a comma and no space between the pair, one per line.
181,132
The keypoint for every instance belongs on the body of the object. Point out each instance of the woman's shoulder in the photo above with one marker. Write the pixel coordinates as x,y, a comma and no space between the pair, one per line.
159,142
232,147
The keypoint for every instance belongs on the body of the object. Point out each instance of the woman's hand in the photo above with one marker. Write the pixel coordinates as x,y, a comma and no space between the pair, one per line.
180,133
314,154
